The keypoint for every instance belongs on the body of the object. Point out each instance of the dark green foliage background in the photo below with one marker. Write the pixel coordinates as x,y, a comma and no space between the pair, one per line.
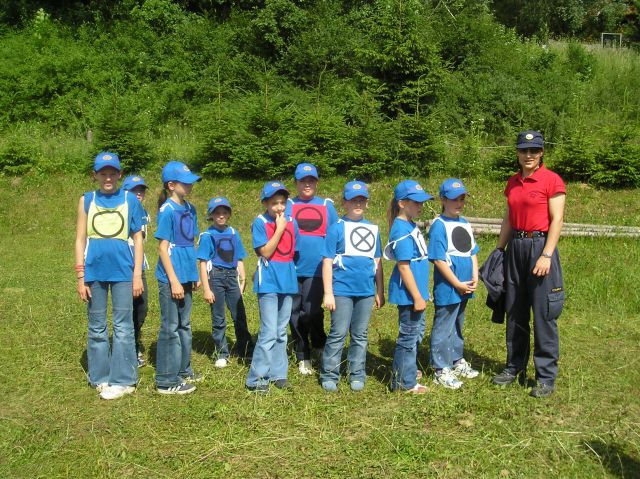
363,89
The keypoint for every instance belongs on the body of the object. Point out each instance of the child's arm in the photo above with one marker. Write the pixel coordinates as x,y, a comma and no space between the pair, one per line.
177,291
474,274
208,295
138,258
379,299
446,272
242,279
404,268
270,246
329,301
81,243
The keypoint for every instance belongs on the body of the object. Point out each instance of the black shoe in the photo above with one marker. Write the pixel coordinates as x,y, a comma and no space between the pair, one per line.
281,383
542,390
259,388
507,377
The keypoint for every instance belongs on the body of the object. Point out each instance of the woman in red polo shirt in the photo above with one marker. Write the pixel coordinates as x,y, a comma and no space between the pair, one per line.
533,276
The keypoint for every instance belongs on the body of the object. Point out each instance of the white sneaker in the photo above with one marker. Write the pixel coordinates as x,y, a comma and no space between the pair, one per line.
447,379
305,367
100,387
221,363
463,369
115,392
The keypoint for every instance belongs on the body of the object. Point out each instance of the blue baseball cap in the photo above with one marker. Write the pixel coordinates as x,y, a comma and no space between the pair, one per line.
411,190
306,169
217,201
530,139
106,158
271,188
354,189
178,171
452,188
130,182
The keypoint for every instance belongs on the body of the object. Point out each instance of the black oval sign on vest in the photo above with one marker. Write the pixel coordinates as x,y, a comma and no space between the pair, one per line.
225,249
289,242
461,239
108,212
186,225
309,219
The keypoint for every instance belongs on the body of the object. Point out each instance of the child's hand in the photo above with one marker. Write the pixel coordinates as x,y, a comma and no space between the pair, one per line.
466,287
379,300
84,291
281,221
419,305
242,283
196,285
329,302
209,297
138,287
177,291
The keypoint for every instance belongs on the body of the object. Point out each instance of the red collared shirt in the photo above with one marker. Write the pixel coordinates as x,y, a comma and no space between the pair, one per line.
528,199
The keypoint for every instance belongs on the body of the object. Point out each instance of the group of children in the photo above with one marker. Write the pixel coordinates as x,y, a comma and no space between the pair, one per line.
308,258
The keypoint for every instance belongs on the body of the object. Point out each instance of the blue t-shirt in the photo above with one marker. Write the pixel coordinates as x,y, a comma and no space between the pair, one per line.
273,276
313,217
110,259
457,248
353,272
222,247
405,248
178,224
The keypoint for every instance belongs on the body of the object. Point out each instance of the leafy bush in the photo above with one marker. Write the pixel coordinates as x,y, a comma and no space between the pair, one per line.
618,163
18,151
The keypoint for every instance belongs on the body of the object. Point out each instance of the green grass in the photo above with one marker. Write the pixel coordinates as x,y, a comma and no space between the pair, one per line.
53,425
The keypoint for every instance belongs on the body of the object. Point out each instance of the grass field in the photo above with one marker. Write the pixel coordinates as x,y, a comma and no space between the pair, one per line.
53,425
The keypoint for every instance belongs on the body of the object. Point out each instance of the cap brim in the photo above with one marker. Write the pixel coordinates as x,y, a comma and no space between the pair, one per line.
189,178
354,194
521,146
420,197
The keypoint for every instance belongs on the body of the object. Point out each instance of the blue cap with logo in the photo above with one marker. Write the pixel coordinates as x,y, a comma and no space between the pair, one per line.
452,188
354,189
271,188
217,201
178,171
411,190
104,159
530,139
306,169
130,182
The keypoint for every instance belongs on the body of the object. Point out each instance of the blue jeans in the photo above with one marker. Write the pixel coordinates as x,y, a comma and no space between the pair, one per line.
224,284
270,361
447,342
352,314
173,355
410,328
118,364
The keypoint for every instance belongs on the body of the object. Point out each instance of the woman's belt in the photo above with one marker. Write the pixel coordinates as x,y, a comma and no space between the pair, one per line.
529,234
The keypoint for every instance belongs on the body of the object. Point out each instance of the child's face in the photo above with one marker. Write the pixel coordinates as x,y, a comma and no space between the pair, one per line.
355,207
307,187
180,189
275,205
411,209
139,191
107,179
220,215
453,208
